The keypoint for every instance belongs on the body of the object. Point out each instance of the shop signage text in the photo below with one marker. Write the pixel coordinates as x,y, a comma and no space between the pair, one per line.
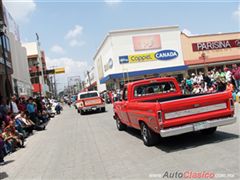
160,55
123,59
212,45
166,54
141,58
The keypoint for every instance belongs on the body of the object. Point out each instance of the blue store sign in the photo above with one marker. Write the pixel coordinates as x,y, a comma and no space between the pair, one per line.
166,54
123,59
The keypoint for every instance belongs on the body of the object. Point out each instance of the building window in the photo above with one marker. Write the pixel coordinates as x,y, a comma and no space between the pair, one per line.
6,43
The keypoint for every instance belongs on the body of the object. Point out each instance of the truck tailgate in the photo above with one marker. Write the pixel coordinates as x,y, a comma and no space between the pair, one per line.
92,101
195,109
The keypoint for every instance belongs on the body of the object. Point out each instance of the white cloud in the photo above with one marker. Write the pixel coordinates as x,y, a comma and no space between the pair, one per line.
57,49
72,68
74,43
20,10
74,36
237,13
75,32
112,2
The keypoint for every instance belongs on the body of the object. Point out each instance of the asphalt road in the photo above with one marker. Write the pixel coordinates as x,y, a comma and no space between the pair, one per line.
90,147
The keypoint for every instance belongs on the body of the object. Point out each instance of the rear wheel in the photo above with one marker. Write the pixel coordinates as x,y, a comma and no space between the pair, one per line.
149,137
120,125
82,112
209,131
103,109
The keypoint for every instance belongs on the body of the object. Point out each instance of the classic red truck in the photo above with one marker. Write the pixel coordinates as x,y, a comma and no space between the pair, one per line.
89,101
158,107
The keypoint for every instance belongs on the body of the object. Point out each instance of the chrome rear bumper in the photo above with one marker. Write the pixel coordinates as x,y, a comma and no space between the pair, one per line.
94,107
191,127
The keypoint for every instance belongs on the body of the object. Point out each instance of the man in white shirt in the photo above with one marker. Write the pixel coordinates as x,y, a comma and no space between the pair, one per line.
13,105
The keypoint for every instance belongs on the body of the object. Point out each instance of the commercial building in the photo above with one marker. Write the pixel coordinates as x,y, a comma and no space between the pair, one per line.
7,25
37,69
20,78
13,58
205,52
129,55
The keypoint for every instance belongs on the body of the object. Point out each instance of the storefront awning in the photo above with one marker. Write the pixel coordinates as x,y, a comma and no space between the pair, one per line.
143,72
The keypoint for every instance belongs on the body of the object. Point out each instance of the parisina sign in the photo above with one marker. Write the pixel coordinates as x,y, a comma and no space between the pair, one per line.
212,45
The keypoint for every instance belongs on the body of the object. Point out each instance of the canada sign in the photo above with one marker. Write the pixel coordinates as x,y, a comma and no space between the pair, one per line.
166,54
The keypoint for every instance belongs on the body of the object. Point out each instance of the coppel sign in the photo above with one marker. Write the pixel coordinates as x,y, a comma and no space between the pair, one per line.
166,55
162,55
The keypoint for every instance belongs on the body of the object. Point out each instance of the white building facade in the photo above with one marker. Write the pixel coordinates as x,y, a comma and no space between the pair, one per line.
129,55
21,79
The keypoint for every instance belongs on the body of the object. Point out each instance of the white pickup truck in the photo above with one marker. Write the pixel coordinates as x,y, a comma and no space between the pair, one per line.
90,101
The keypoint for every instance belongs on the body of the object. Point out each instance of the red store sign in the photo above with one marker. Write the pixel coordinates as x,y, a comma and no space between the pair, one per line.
212,45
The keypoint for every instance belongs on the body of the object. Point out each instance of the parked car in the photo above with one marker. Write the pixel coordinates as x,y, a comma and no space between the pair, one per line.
90,101
157,107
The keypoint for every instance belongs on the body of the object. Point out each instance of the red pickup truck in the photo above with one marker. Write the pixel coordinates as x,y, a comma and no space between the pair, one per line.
158,107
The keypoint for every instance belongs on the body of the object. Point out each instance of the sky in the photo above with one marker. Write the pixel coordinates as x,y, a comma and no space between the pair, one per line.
70,32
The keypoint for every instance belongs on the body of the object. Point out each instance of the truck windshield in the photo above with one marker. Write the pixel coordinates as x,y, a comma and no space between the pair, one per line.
88,95
154,88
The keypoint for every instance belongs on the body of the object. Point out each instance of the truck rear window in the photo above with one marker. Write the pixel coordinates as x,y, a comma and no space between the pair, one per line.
88,95
154,88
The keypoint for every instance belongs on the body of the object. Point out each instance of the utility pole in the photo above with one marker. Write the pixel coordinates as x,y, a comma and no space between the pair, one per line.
55,85
39,58
89,80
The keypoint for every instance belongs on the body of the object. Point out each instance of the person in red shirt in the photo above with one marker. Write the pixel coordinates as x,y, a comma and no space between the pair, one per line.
22,104
236,76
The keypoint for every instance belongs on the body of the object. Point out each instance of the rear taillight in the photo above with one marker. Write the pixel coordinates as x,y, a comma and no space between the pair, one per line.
159,116
81,104
231,104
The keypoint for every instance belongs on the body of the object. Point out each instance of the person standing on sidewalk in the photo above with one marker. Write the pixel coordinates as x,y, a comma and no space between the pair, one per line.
236,76
13,105
31,110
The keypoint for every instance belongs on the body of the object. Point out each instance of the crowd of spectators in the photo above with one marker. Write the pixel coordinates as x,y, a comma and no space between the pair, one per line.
19,117
215,80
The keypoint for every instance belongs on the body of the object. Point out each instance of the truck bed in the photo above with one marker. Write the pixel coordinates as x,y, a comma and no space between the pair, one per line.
177,97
